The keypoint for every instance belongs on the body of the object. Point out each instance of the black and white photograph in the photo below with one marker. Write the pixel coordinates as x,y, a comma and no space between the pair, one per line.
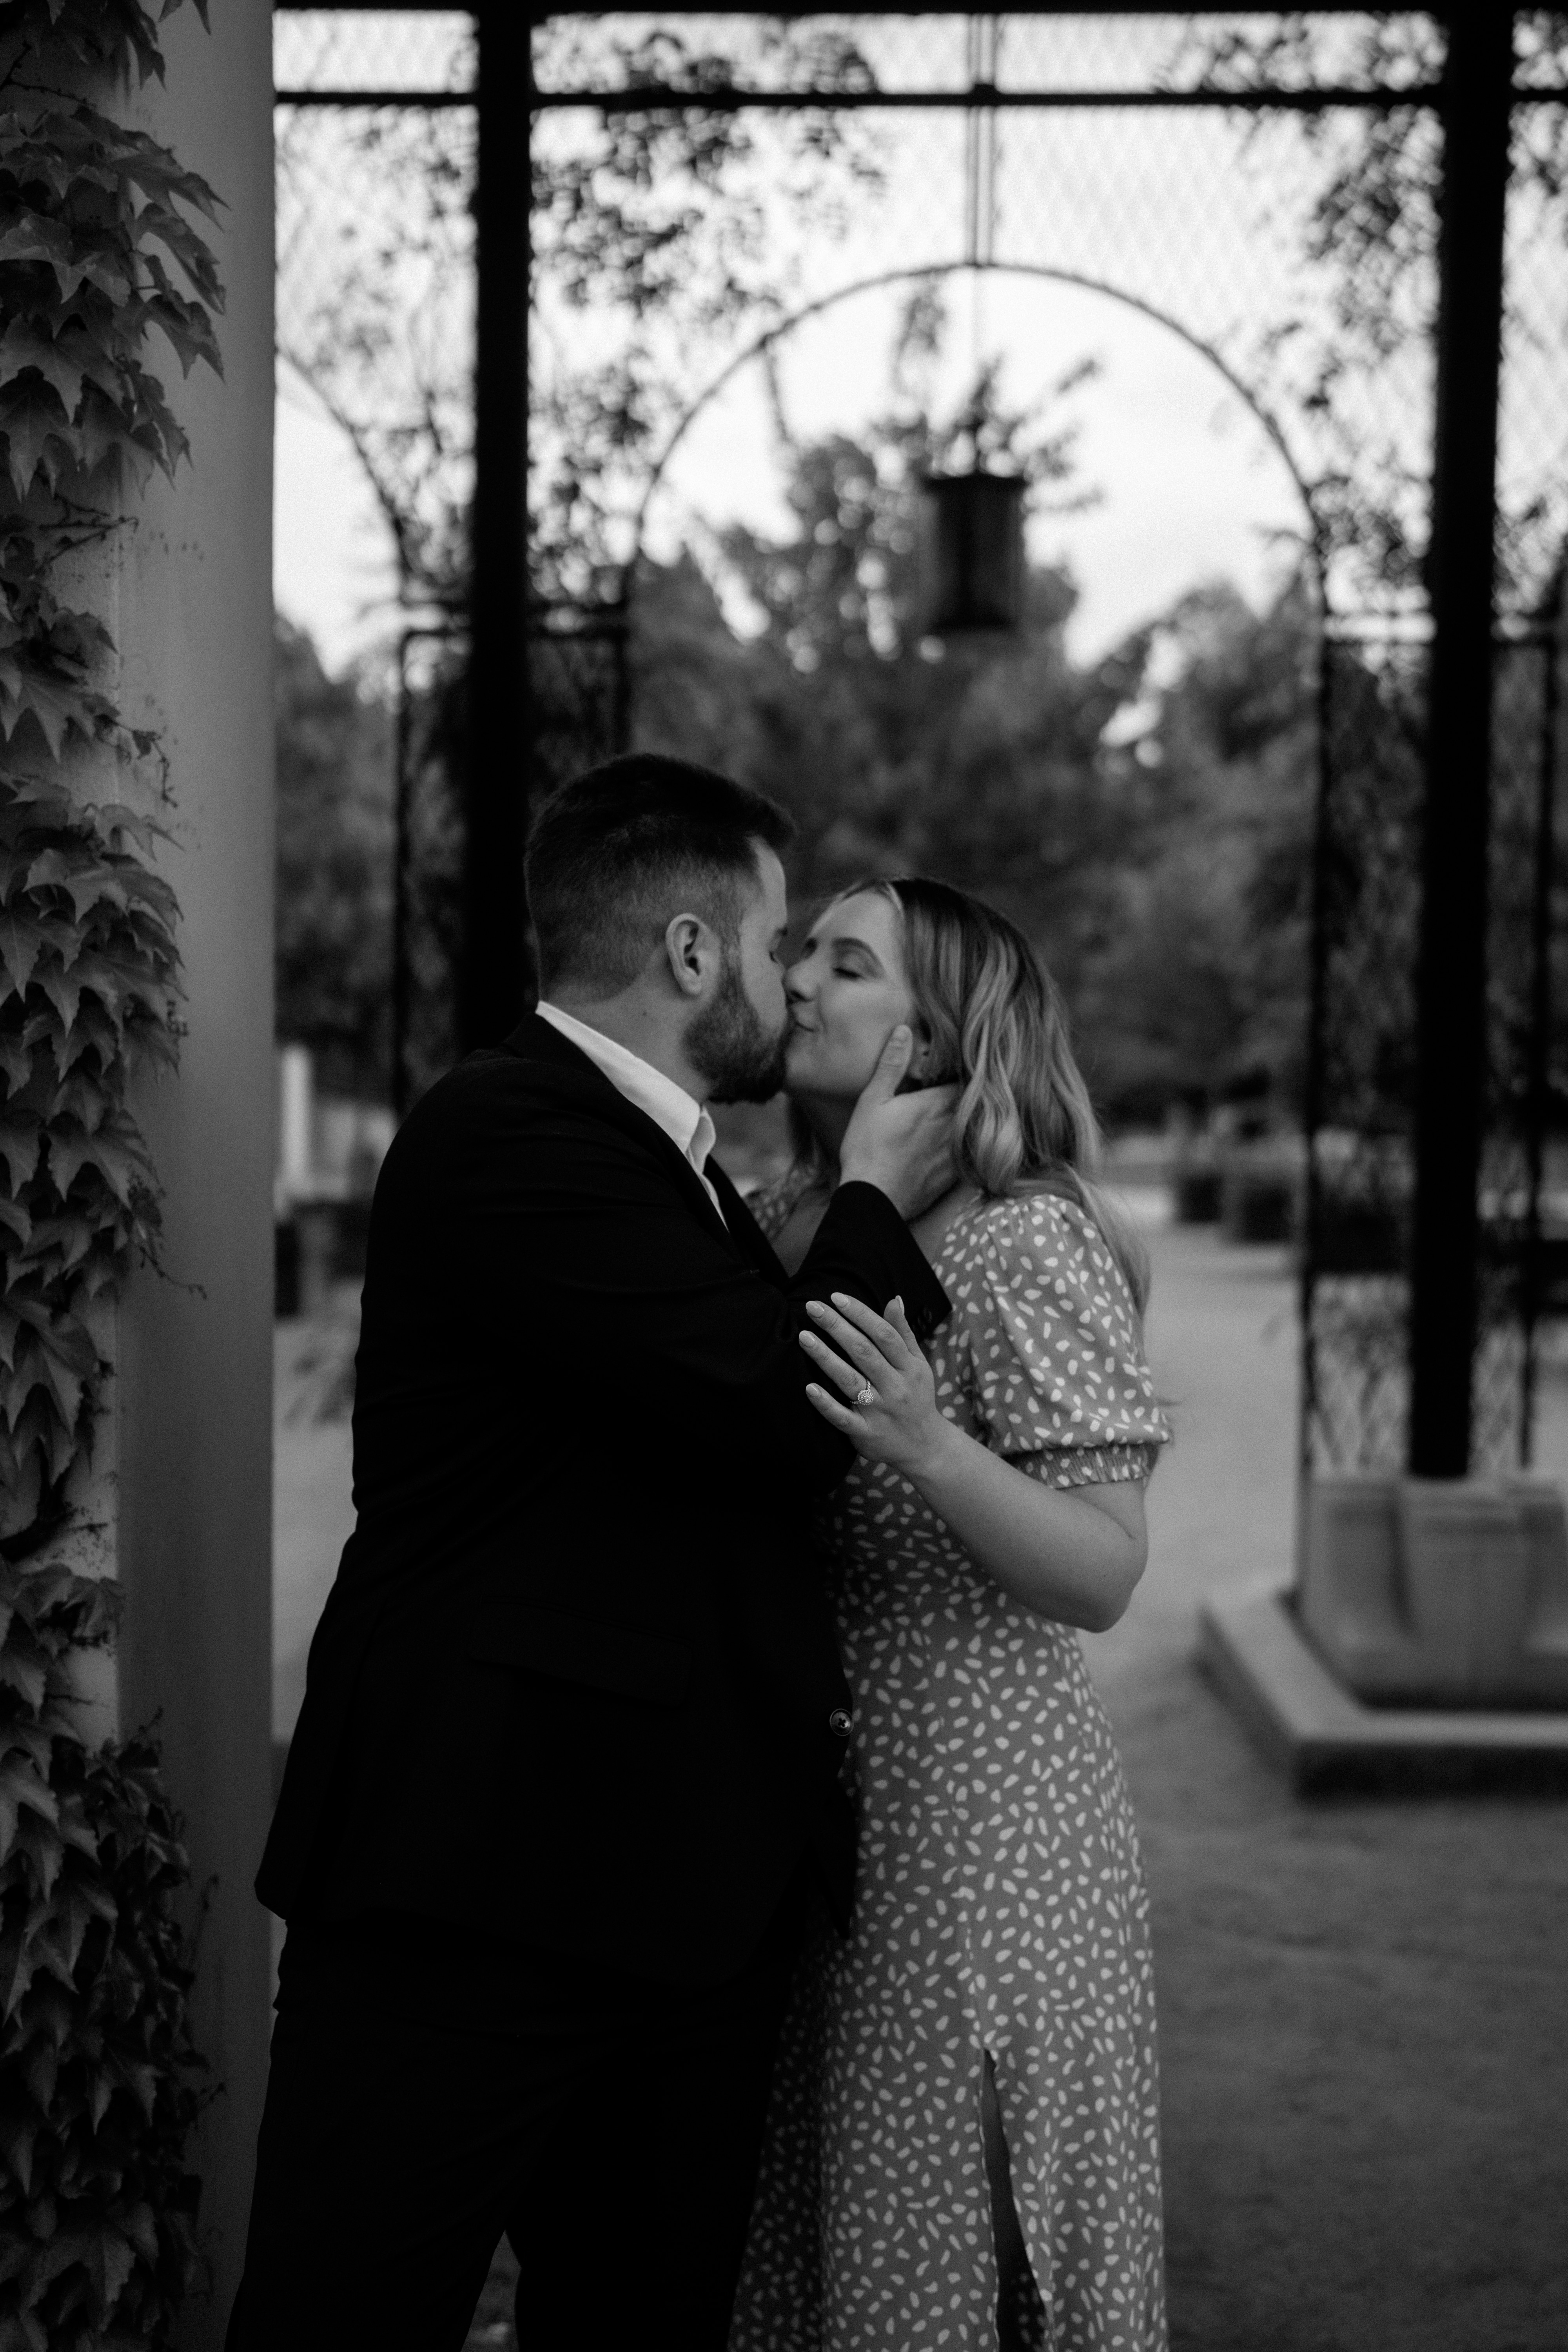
783,1179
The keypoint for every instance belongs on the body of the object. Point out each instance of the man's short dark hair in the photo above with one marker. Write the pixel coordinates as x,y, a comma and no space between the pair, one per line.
613,854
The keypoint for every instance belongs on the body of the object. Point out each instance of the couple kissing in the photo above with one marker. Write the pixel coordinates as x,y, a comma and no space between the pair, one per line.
705,1857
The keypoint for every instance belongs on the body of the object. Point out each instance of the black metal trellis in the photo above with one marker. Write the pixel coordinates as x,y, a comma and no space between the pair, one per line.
424,711
1362,1146
1365,1064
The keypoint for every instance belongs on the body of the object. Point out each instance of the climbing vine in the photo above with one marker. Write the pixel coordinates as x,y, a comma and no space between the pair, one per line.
101,254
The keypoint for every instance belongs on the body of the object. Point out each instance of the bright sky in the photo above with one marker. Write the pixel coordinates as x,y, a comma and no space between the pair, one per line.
332,553
1190,487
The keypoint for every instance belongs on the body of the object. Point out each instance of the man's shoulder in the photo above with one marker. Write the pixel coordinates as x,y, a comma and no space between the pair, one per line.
535,1095
535,1070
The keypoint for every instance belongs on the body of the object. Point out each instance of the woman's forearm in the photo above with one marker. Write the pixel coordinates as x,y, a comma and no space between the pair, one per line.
1061,1555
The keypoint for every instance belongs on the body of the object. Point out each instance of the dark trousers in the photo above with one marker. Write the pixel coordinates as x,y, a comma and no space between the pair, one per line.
423,2099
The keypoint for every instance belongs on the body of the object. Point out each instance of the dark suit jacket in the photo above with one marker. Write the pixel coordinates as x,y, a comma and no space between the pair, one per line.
574,1682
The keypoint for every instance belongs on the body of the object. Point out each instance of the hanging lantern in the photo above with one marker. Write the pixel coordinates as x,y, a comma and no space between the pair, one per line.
971,553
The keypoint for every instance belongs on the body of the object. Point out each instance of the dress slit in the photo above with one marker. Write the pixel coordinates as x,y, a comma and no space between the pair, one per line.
1020,2305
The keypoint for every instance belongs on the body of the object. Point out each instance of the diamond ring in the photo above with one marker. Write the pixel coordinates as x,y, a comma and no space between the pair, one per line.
867,1395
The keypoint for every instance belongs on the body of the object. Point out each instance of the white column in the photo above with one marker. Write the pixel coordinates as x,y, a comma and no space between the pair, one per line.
194,1384
296,1147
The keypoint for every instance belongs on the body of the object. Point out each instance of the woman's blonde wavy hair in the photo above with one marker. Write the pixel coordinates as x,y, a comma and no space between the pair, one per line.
998,1028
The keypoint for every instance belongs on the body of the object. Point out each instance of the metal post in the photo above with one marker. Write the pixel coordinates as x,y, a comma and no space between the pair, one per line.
495,787
1315,1093
1538,1100
1451,971
401,888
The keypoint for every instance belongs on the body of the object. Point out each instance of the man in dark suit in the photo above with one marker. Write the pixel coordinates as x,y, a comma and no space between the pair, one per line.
563,1795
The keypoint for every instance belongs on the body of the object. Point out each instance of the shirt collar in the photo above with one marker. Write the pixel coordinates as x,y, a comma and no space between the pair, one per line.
684,1120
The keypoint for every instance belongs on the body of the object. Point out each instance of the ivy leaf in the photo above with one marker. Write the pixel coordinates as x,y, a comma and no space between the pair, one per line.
33,237
104,2090
31,1680
14,1216
63,989
101,432
22,1476
22,939
80,1099
22,346
27,1737
20,1147
123,1168
15,1062
110,276
37,1428
156,895
115,976
189,248
62,1332
63,1352
41,2072
118,821
29,421
88,884
16,2258
18,2132
108,2263
158,174
188,329
77,640
140,2225
99,356
48,2011
19,1786
55,707
92,1032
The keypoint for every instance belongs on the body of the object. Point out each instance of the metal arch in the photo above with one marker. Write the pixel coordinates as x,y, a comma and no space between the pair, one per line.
1271,424
1317,538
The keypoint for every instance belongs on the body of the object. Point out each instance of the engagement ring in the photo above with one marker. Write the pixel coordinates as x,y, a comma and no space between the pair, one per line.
867,1395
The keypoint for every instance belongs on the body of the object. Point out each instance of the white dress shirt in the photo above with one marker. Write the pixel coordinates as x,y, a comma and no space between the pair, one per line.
685,1122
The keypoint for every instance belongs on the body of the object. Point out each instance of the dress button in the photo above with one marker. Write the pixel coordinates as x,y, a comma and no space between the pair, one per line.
841,1721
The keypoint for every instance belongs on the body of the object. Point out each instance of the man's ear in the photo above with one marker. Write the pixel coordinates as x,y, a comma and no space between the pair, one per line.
691,950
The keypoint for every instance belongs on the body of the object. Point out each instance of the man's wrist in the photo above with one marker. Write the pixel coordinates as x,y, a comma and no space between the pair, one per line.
869,1172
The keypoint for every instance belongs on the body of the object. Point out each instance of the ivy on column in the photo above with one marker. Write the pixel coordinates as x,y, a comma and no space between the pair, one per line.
105,273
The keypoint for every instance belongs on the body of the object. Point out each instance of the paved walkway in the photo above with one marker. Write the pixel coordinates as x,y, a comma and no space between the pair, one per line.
1363,2003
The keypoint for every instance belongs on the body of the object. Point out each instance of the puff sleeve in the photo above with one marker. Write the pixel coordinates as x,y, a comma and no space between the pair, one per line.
1051,1354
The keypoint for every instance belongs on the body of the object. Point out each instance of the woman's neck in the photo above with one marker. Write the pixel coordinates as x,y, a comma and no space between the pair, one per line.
828,1119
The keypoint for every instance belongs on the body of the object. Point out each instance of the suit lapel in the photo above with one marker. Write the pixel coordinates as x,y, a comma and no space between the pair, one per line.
534,1040
745,1231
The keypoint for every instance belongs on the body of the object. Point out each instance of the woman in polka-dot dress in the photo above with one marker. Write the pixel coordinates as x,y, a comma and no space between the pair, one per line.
964,2146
